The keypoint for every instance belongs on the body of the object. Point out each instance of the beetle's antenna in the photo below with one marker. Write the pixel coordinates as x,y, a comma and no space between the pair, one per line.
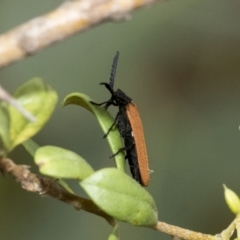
114,69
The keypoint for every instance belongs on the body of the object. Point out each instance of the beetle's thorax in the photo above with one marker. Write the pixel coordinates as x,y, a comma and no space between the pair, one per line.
121,98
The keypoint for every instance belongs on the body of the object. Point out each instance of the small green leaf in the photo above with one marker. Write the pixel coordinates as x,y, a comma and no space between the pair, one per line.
114,234
61,163
31,146
37,98
65,185
105,120
232,199
4,127
121,197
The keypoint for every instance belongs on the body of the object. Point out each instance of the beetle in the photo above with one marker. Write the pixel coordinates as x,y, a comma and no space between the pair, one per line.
130,127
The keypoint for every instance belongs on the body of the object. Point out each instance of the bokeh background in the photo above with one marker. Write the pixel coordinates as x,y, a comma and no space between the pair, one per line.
179,61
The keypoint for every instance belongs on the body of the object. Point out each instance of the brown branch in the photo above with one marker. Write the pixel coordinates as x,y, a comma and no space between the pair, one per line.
48,186
182,233
43,185
68,19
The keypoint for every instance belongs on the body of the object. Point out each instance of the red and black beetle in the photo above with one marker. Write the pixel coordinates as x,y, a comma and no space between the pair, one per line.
129,124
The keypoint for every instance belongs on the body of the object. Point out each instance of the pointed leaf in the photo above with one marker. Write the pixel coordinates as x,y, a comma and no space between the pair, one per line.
232,199
31,147
61,163
105,120
121,197
37,98
65,185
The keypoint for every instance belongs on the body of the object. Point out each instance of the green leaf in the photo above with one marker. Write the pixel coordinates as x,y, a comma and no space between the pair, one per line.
114,234
61,163
121,197
4,126
232,199
105,120
37,98
65,185
31,146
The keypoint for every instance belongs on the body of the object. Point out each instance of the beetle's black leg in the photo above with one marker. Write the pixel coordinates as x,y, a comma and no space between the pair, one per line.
98,104
121,150
114,123
109,88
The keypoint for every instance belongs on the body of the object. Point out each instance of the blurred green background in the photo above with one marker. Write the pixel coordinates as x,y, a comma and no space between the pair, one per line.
179,61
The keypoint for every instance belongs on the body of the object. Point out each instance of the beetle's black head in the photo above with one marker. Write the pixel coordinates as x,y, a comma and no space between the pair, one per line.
121,98
118,98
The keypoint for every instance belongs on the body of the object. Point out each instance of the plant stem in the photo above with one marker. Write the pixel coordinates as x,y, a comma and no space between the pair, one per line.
181,232
69,18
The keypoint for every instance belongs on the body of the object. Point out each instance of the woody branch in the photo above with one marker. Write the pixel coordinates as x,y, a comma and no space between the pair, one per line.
48,186
69,18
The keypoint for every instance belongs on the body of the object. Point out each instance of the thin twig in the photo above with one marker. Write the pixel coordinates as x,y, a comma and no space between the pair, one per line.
182,233
68,19
48,186
228,232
